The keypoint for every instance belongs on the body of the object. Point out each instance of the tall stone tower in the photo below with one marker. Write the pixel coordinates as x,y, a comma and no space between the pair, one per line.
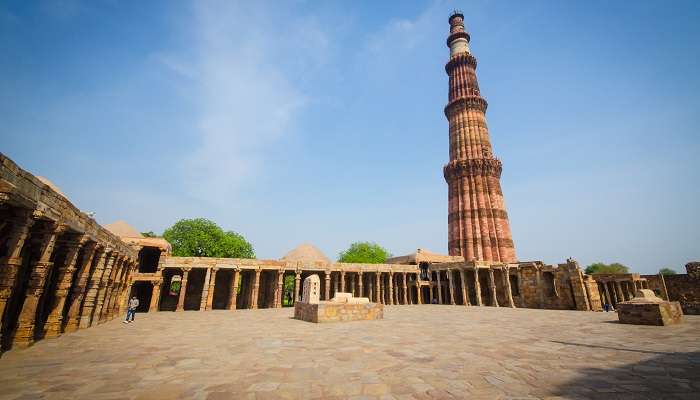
477,220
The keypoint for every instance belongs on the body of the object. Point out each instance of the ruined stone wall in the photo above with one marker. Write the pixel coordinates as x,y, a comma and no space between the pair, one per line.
683,288
560,287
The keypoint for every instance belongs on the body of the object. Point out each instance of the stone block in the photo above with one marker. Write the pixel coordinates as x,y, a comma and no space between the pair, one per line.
328,311
647,309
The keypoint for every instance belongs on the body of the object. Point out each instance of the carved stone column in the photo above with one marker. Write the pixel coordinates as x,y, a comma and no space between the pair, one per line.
95,306
205,291
465,287
404,276
10,264
54,322
391,288
509,293
155,297
618,289
80,287
451,283
109,285
342,281
419,291
24,333
378,290
439,286
212,285
256,288
297,286
359,282
113,295
521,287
477,287
123,301
183,290
233,295
492,284
327,286
280,288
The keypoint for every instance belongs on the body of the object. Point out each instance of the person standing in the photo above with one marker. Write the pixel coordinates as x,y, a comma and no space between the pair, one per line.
133,305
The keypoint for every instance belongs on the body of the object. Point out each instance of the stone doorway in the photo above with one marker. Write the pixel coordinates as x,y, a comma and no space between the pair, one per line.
143,291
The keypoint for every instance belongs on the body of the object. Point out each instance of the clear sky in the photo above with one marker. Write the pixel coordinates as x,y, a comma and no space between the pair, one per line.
323,121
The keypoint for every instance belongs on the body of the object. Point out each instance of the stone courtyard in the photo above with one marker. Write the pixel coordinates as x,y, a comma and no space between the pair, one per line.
416,352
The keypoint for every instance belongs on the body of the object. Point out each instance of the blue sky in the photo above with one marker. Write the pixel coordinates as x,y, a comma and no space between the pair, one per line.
322,121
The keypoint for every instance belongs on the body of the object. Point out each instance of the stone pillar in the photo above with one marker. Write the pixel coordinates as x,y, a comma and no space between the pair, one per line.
103,284
378,290
509,291
327,286
419,291
54,322
451,281
391,288
212,285
492,286
80,288
477,287
342,281
93,287
521,287
439,287
465,288
359,282
109,285
114,290
205,291
256,287
405,288
353,290
280,288
10,264
618,289
183,290
24,333
233,293
155,297
122,304
297,286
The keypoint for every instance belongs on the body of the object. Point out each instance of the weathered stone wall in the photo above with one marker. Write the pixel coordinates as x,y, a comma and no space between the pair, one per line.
558,287
337,312
683,288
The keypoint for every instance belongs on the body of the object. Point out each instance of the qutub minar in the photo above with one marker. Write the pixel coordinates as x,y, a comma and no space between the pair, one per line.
61,271
477,221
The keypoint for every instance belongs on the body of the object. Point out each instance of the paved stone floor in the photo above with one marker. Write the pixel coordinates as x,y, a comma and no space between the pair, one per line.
416,352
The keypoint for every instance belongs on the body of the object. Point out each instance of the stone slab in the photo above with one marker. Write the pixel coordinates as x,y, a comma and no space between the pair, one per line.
328,311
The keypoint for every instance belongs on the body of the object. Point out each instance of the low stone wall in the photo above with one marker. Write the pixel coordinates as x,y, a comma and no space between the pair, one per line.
337,312
683,288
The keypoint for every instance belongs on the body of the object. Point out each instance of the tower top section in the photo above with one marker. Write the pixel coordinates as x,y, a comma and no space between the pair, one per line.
458,41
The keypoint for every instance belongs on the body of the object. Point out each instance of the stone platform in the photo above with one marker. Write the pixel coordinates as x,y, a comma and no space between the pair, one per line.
647,309
329,311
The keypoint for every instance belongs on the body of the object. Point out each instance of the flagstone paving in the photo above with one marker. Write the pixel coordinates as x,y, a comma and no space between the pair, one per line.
416,352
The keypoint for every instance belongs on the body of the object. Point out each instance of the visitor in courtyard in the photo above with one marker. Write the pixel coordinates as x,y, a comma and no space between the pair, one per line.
606,306
133,304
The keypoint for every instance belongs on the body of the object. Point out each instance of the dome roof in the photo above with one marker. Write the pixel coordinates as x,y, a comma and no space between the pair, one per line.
123,230
306,253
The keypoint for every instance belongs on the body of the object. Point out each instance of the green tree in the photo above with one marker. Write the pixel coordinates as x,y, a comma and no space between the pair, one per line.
364,252
149,234
667,271
600,268
288,290
203,238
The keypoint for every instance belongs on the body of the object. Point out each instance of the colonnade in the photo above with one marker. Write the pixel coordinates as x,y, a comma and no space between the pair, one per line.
614,291
57,276
471,286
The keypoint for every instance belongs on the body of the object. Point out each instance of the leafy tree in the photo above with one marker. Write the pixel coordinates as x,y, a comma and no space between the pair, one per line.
364,252
667,271
149,234
288,290
203,238
600,268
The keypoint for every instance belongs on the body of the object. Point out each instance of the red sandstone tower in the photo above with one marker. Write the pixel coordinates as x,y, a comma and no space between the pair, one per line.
477,220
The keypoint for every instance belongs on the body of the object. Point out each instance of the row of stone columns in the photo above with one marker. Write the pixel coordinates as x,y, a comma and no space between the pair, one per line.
614,292
438,283
84,288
